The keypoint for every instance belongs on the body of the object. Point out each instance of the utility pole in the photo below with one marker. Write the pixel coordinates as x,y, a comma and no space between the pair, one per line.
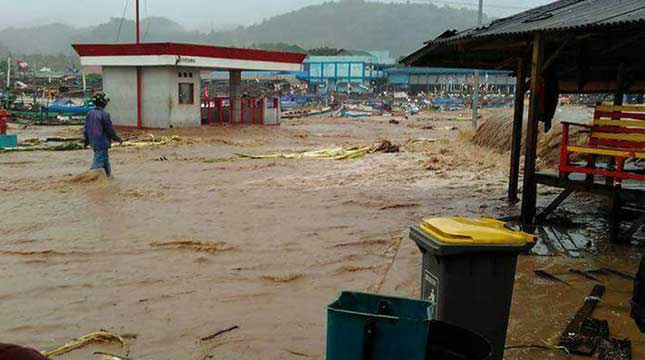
476,75
139,76
138,31
8,72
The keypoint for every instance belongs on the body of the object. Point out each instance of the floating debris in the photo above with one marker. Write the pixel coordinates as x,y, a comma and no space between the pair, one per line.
69,146
615,349
583,334
334,154
211,247
386,147
399,206
298,353
286,278
108,356
339,153
74,146
584,274
619,274
548,276
100,336
221,332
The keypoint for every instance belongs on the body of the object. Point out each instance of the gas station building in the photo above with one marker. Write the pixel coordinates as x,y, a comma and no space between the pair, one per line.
158,85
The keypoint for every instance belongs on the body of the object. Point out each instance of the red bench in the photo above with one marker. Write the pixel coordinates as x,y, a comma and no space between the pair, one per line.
617,132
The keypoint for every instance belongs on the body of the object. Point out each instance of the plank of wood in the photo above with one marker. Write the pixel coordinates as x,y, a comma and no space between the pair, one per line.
614,136
619,123
606,151
611,108
572,337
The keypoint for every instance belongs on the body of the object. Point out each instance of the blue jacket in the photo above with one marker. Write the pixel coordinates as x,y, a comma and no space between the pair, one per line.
98,130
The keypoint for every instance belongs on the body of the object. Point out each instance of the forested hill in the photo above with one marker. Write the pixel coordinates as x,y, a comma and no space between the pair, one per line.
398,27
350,24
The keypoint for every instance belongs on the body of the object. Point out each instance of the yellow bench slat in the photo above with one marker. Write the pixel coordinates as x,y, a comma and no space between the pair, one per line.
607,152
614,136
620,123
626,108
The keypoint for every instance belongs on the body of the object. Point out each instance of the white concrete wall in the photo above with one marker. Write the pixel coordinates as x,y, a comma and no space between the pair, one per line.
120,83
156,96
160,96
182,115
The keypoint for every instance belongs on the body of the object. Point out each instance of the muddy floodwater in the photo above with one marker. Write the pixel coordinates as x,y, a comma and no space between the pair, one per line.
189,239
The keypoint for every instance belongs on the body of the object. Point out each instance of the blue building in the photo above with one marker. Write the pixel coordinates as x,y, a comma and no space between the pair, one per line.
347,71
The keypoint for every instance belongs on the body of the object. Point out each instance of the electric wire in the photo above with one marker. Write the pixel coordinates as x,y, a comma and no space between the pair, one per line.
494,6
147,19
125,9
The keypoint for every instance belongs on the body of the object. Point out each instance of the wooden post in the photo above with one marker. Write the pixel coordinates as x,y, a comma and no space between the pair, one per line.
529,195
615,203
518,119
619,93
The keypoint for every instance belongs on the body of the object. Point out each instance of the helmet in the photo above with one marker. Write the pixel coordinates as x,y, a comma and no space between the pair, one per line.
100,99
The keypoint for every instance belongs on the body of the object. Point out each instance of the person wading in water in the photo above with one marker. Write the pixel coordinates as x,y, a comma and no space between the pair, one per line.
99,133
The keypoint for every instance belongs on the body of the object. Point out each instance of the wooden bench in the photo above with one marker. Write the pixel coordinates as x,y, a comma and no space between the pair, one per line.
617,132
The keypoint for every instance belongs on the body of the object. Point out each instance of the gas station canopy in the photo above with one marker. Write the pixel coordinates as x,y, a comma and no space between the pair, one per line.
187,55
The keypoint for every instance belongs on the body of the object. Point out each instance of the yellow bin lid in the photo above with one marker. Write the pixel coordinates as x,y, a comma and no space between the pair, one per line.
483,231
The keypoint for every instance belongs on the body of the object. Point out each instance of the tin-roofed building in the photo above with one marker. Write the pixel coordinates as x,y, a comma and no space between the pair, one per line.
568,46
428,79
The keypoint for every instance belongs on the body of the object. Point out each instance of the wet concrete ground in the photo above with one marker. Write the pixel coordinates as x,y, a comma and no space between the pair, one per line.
176,250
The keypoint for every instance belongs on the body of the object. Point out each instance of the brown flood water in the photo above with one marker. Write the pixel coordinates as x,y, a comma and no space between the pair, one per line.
177,250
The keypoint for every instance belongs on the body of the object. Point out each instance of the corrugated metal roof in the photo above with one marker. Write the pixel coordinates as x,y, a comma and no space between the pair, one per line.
437,71
561,15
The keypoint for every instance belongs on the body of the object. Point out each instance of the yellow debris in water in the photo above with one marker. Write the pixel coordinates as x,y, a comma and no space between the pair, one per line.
334,154
338,153
100,336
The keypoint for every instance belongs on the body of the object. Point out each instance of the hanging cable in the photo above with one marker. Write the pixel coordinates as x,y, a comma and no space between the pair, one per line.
146,18
125,9
463,3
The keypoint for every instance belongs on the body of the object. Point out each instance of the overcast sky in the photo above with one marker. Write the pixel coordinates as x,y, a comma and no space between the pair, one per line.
195,14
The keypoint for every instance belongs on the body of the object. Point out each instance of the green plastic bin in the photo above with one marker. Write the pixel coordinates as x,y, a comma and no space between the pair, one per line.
368,326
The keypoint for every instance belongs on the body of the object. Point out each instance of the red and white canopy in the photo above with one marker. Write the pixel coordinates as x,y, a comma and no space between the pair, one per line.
187,55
